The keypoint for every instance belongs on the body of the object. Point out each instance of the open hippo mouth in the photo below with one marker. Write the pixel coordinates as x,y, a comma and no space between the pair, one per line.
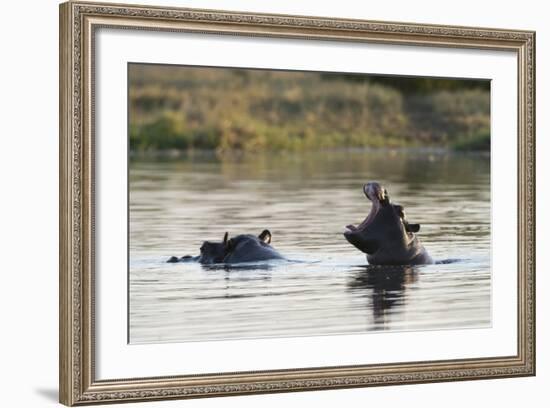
385,235
379,197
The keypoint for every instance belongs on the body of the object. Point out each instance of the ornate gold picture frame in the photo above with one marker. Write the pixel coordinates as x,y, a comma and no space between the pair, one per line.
79,22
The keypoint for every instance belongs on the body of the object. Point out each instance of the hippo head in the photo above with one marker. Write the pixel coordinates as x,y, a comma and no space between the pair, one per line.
213,252
385,230
220,252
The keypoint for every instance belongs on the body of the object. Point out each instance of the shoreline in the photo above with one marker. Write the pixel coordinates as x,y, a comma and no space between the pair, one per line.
215,154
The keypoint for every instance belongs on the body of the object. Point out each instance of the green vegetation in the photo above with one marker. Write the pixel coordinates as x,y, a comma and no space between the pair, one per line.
480,142
248,110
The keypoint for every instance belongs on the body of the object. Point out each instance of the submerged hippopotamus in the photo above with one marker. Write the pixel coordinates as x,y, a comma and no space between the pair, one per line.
385,235
242,248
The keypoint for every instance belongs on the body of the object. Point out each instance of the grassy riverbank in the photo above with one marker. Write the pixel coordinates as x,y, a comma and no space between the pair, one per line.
253,110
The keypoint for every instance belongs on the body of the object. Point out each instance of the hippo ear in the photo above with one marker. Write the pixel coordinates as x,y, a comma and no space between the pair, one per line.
386,198
265,236
412,227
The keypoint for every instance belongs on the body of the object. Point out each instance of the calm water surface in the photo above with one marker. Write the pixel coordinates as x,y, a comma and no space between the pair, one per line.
305,200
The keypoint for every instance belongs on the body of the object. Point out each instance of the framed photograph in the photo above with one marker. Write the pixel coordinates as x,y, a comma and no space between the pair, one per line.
256,203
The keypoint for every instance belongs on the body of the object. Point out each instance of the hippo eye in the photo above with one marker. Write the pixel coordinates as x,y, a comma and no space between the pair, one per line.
399,210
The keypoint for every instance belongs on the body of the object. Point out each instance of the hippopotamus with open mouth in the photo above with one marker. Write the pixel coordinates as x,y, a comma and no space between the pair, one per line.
241,248
385,235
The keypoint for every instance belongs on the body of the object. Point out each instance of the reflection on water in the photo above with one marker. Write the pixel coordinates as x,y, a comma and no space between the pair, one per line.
305,200
383,287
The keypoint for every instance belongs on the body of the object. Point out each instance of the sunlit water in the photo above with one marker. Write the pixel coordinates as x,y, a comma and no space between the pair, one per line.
305,200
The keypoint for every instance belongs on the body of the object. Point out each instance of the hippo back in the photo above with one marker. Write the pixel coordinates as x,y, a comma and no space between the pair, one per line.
248,248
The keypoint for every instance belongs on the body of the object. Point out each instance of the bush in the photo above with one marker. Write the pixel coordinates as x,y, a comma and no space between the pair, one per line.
255,110
480,142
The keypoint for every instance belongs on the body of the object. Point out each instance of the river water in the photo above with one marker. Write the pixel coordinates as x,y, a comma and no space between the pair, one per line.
305,200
